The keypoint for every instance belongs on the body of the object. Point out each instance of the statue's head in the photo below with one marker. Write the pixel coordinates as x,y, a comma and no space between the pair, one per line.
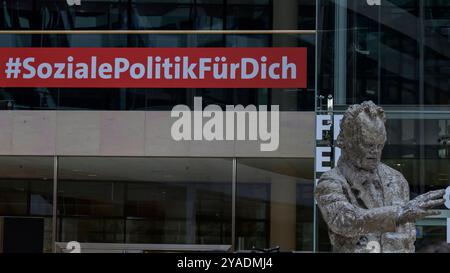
363,135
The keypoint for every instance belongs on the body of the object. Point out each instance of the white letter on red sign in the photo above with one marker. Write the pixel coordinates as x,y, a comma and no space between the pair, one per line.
244,74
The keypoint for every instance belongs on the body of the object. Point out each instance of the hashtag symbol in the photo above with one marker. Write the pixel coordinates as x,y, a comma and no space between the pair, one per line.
13,68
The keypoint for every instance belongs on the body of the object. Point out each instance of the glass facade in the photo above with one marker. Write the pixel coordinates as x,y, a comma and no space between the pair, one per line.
145,200
176,16
26,191
397,55
136,200
165,200
151,14
274,203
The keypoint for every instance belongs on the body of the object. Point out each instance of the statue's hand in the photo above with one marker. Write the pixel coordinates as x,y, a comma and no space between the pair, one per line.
420,206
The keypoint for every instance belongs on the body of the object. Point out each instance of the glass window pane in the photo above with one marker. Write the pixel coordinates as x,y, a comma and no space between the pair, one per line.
145,200
26,191
274,205
419,147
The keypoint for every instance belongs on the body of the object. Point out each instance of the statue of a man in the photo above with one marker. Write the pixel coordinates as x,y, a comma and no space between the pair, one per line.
363,200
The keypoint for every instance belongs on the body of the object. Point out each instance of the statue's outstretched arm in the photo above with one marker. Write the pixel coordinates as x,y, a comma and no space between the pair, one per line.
348,220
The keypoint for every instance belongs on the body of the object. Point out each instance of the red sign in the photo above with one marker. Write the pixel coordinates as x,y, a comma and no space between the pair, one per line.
276,67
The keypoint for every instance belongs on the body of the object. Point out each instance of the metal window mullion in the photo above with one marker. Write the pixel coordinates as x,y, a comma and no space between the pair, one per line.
55,201
233,204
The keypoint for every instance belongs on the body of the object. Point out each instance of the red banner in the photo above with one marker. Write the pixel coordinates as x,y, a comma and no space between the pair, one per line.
154,67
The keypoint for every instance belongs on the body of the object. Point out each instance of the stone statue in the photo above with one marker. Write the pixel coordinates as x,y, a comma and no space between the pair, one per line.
363,201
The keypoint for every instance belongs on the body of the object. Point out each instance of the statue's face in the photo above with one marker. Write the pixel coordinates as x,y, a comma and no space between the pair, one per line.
364,151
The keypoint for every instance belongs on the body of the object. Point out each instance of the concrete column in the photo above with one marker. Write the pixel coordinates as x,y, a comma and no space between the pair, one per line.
283,214
285,17
285,14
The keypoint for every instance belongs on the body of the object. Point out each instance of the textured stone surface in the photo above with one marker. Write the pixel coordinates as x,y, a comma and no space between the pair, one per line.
363,201
136,133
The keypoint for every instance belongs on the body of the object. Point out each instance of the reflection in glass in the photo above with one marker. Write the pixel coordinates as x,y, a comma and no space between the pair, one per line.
393,54
274,204
145,200
163,99
417,147
26,190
